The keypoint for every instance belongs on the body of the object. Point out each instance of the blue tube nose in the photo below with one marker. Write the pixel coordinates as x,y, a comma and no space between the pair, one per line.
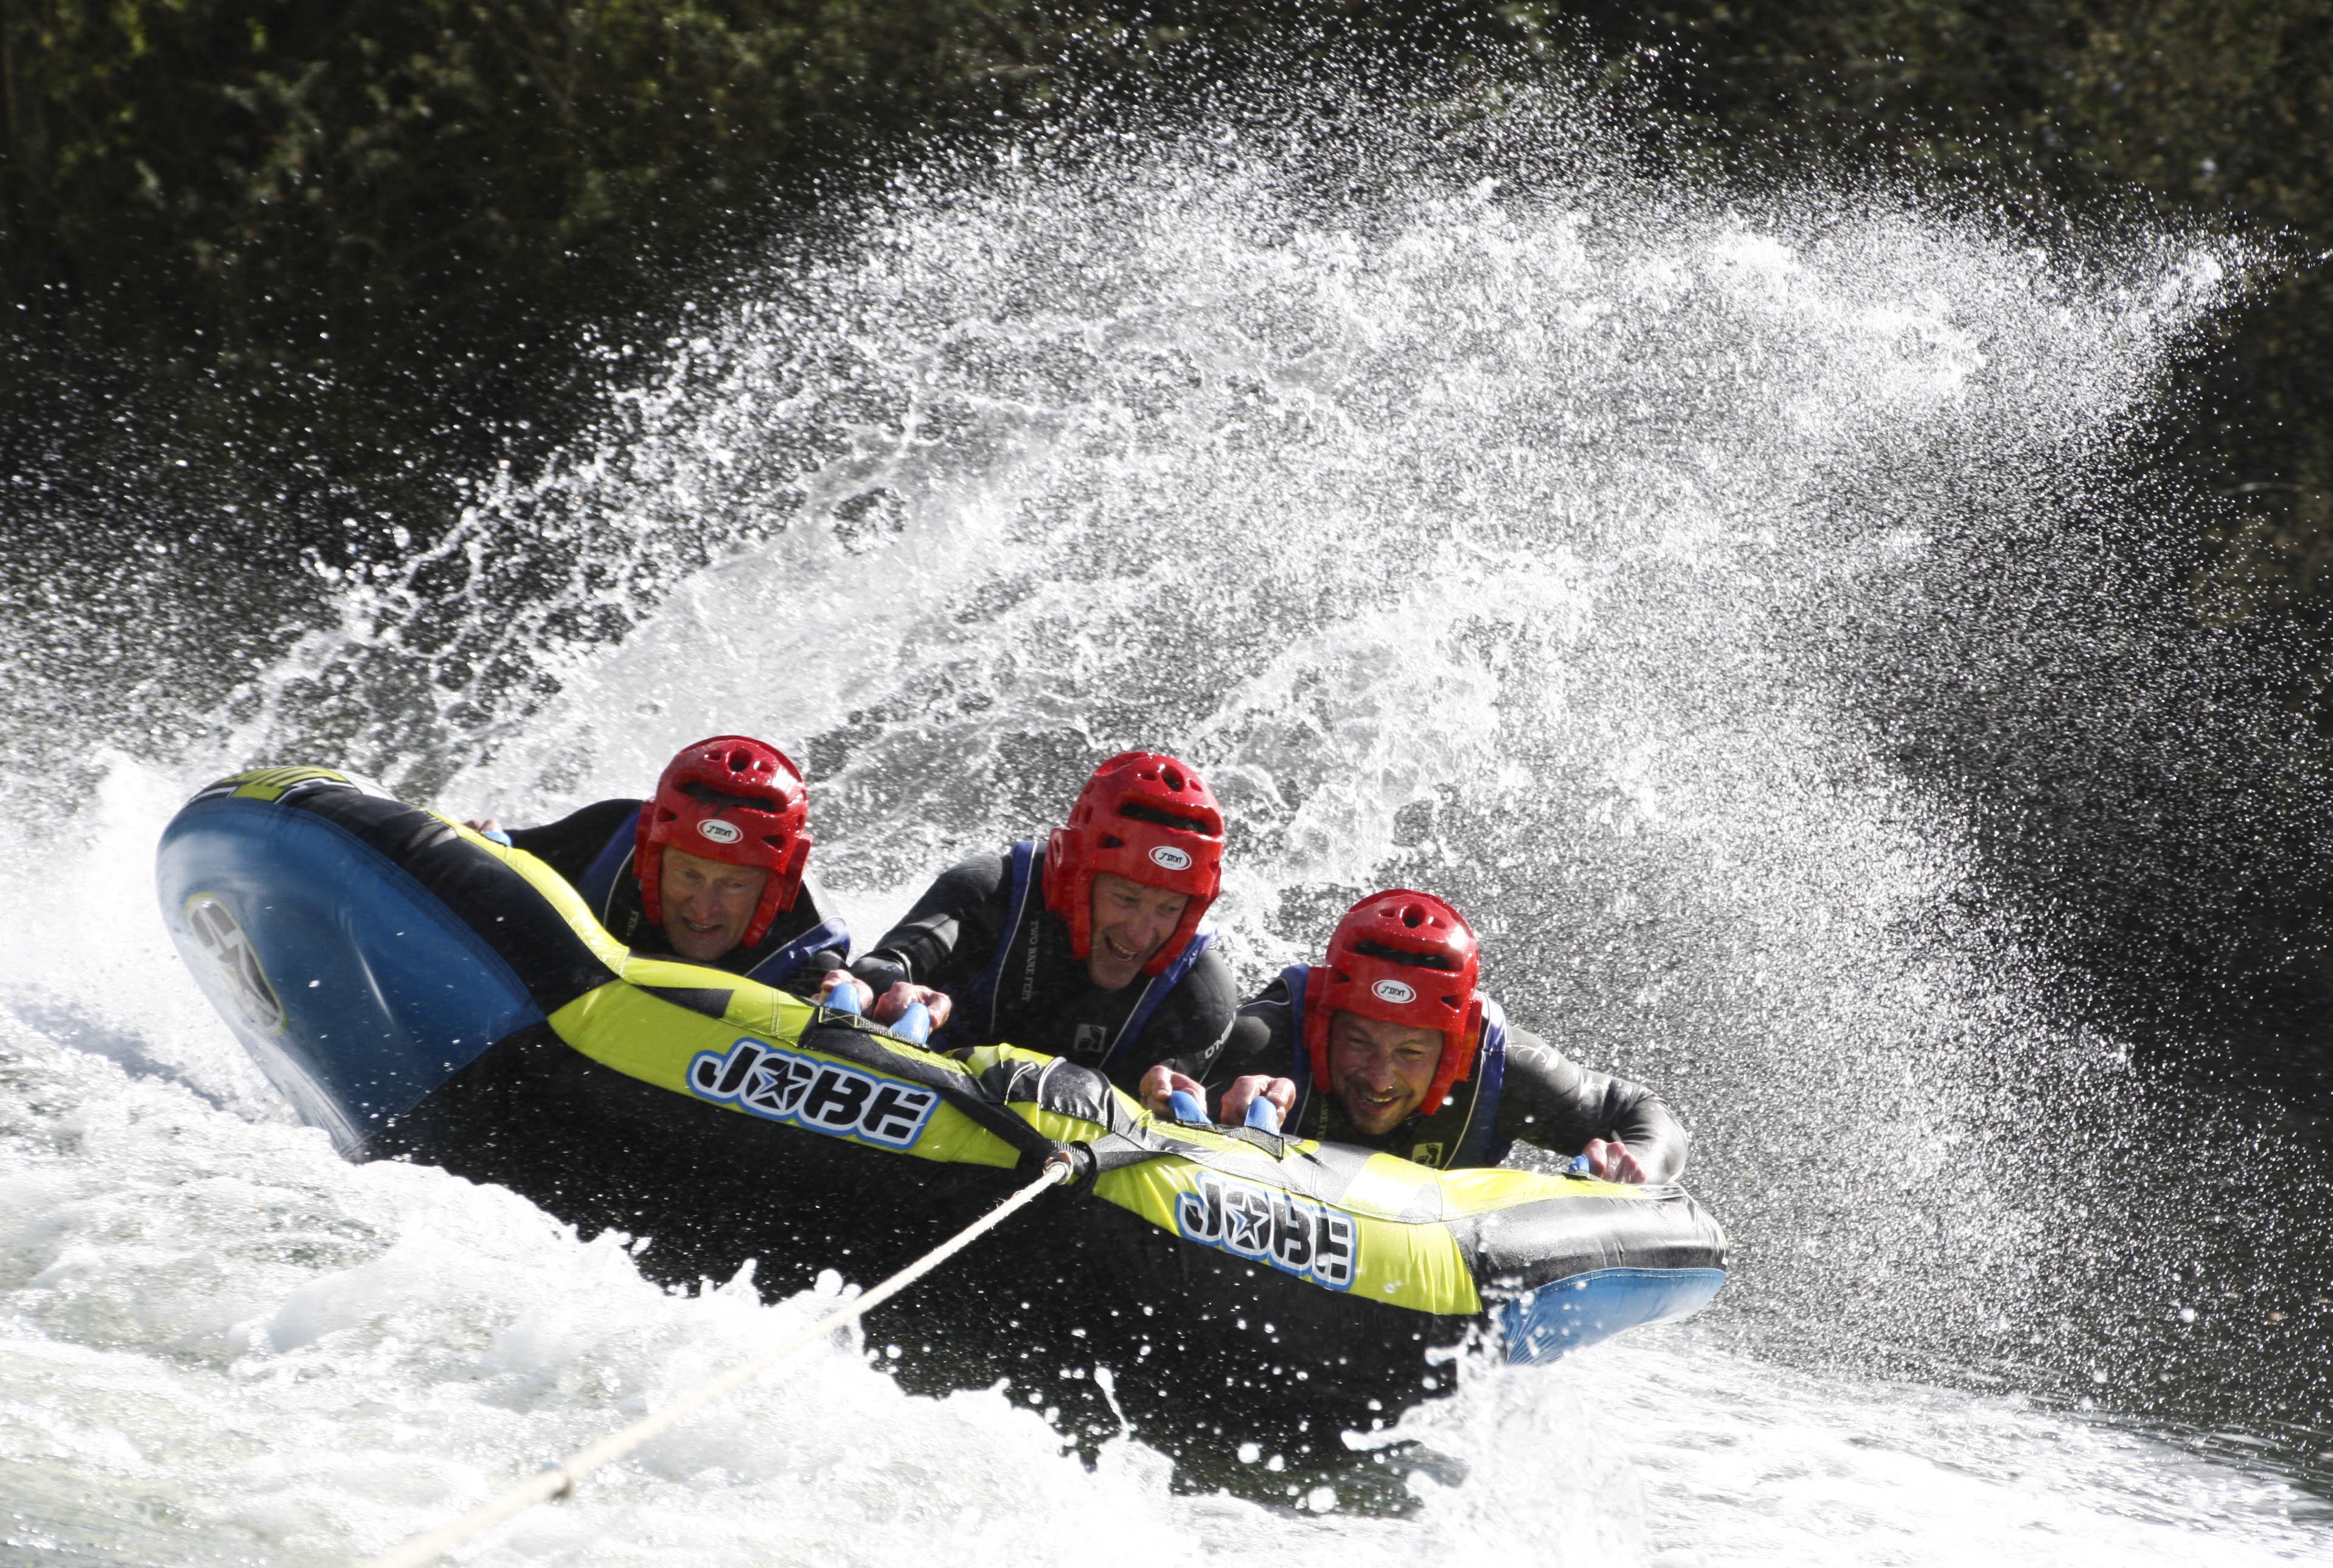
1185,1106
915,1024
1263,1115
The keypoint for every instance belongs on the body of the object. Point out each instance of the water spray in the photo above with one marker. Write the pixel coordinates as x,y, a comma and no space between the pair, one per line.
560,1479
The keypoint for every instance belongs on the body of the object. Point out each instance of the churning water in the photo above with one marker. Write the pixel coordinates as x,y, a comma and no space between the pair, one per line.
1481,518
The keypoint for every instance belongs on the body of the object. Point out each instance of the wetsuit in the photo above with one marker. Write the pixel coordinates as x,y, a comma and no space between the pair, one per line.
593,850
981,934
1521,1089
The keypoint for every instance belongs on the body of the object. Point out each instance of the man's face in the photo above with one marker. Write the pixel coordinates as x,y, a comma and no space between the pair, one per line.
1129,924
1380,1071
707,904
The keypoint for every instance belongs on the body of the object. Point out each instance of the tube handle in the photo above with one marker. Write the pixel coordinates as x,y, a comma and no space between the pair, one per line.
1185,1106
915,1024
1263,1115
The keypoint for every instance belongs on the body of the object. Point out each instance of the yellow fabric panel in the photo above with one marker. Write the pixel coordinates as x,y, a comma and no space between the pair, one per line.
644,1036
1421,1266
1389,1186
763,1009
270,783
1478,1190
980,1058
1418,1267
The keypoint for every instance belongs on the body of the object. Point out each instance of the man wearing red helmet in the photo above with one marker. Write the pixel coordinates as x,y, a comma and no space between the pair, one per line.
1094,947
1387,1043
710,870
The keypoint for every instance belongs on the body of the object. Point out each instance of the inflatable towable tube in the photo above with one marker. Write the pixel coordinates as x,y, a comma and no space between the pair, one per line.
423,992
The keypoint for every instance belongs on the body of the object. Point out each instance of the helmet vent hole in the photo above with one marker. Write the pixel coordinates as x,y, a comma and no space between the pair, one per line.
1111,841
1368,949
1172,779
1412,916
1136,811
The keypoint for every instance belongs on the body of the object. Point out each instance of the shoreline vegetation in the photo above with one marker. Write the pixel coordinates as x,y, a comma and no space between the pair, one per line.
258,258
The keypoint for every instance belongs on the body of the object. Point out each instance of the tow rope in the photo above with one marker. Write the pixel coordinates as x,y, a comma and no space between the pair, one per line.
559,1480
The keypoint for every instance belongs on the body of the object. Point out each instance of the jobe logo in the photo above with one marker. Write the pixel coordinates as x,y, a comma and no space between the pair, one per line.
1170,857
233,961
1394,991
718,831
1290,1233
824,1096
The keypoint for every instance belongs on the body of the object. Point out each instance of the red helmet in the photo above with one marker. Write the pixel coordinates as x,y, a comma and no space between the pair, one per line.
734,799
1400,957
1150,820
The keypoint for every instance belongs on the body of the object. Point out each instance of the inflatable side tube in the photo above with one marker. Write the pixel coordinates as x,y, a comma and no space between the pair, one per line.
1541,1324
321,921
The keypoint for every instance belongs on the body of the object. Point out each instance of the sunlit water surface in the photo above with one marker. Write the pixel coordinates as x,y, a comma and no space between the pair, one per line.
1479,519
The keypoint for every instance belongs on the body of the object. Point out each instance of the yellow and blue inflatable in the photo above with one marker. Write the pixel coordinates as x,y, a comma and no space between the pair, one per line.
426,993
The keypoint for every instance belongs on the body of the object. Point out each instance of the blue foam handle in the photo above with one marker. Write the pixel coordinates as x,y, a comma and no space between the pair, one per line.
1580,1166
1263,1114
498,836
843,998
915,1024
1186,1107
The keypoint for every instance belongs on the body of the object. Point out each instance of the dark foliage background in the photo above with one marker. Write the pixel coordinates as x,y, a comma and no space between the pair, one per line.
338,231
256,257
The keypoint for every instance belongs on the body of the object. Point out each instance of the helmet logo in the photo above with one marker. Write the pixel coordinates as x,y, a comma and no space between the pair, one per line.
1394,991
720,832
1171,859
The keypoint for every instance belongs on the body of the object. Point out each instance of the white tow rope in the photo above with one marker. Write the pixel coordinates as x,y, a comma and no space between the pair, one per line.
560,1479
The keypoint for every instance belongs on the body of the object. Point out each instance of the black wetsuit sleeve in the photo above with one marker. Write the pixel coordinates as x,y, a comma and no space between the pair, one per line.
1189,1029
811,973
948,934
1548,1100
568,844
805,981
1261,1042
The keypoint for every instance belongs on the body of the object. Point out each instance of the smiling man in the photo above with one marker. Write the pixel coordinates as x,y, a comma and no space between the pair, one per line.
1387,1043
711,870
1094,947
